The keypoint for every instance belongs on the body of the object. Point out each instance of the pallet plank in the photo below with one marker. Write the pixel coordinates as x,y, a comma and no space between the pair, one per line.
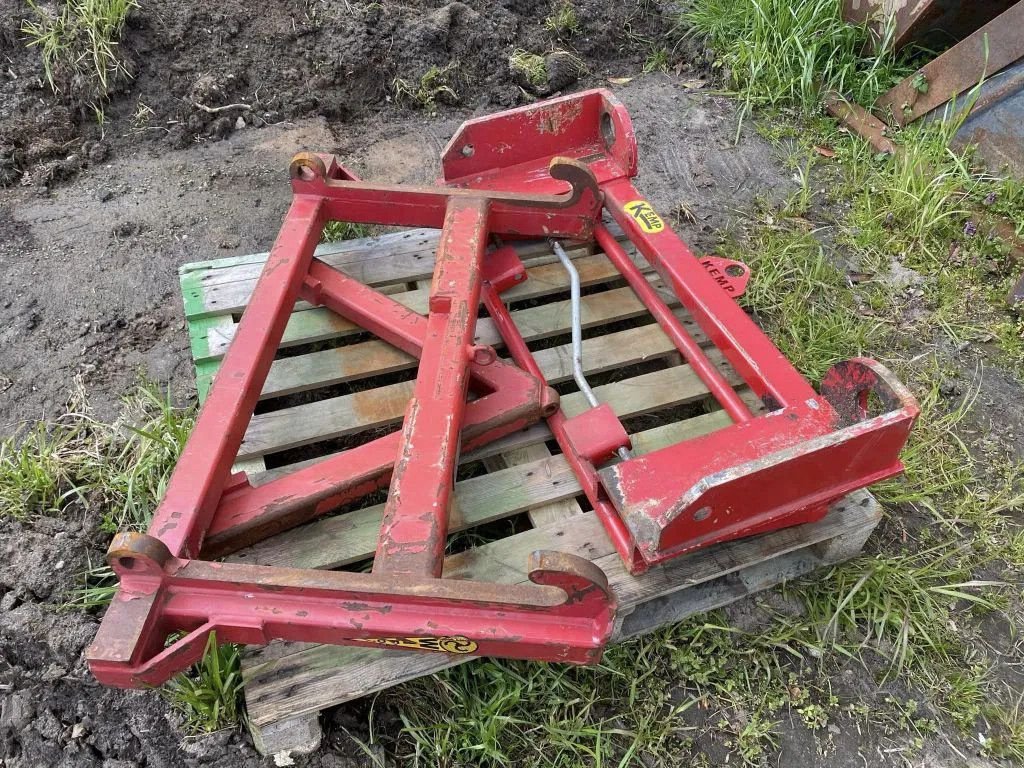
324,676
343,539
229,295
355,362
340,416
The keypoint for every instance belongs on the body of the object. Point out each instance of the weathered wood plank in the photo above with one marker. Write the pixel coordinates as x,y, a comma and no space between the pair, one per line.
548,512
324,676
535,435
360,361
341,416
219,294
336,541
310,325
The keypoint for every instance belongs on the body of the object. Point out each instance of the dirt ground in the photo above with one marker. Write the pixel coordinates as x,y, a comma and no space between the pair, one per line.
95,224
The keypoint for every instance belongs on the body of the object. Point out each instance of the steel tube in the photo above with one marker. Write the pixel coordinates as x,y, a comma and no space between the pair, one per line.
577,333
415,525
584,470
684,342
182,518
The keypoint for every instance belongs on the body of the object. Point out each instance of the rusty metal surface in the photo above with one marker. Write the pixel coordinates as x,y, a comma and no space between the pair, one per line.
861,122
996,122
769,472
985,52
415,526
930,23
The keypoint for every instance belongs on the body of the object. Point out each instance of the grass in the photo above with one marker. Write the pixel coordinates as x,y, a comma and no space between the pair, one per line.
120,471
120,468
784,53
208,696
657,61
37,470
800,296
531,66
437,84
336,231
564,21
78,45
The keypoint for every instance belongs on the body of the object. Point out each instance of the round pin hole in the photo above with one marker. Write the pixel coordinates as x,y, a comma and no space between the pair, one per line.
734,270
305,173
467,150
128,563
607,129
702,514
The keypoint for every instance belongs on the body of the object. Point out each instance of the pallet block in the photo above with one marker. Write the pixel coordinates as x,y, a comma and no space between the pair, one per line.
331,382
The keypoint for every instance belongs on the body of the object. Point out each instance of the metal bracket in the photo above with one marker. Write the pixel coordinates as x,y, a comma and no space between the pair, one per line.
543,171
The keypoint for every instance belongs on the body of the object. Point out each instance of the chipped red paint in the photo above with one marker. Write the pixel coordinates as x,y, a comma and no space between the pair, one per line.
545,170
565,616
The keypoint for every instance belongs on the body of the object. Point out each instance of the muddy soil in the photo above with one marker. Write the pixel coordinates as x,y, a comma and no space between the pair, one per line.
96,222
193,71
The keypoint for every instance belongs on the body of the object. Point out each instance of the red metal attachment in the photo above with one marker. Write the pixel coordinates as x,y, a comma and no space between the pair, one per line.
546,170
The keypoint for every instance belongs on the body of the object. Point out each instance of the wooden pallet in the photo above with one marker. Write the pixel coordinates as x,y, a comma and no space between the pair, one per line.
331,382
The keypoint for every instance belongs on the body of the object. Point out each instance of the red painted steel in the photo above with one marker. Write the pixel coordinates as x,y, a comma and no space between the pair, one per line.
412,536
720,389
584,470
546,170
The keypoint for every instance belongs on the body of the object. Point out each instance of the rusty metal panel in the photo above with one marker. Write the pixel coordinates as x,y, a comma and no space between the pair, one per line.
990,49
996,123
929,23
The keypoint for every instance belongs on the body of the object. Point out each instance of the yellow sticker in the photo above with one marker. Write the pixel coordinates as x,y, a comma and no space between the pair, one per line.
450,644
644,215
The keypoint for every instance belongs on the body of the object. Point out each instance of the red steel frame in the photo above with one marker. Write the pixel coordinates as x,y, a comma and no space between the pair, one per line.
504,175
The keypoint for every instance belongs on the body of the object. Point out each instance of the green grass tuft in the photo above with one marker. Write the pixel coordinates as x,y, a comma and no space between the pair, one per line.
657,61
782,53
209,696
564,21
38,470
78,45
530,65
336,231
436,85
800,297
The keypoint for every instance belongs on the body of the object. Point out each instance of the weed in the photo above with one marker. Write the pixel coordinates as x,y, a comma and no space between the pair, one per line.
563,21
657,60
531,66
498,713
38,471
142,116
129,473
900,603
99,583
79,45
436,84
800,297
120,469
1006,735
335,231
209,695
777,52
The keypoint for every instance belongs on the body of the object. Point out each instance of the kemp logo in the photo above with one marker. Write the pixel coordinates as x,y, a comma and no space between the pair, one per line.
452,644
644,215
